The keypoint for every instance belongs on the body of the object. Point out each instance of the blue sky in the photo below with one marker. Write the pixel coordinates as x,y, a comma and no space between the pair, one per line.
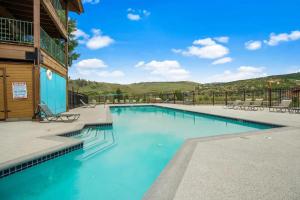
126,41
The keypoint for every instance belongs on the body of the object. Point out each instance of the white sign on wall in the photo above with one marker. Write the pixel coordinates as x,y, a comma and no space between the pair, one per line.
19,90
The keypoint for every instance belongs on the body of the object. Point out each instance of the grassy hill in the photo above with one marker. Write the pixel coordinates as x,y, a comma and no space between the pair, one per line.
93,88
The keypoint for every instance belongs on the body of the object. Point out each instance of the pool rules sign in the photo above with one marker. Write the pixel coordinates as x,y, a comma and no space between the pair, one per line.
19,90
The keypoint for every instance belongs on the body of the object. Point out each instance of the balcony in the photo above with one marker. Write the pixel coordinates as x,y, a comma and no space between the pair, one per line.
21,32
60,11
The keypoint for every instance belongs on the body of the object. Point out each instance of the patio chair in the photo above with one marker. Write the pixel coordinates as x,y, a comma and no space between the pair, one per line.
122,101
234,104
133,101
257,104
282,107
188,101
127,101
85,105
246,104
166,101
47,114
116,101
141,100
294,110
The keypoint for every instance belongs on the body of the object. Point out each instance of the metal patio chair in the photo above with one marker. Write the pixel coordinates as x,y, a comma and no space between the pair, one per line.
47,114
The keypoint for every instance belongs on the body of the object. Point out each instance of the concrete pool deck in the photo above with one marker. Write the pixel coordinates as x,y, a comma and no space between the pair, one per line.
260,165
23,140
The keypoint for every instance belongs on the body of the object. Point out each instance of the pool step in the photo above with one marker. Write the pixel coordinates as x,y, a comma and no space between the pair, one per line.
96,141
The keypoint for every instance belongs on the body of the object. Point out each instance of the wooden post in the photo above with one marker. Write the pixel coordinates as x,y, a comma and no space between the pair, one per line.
67,53
244,95
37,61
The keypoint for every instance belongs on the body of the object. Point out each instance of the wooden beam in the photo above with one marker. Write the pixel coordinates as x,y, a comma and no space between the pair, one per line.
67,55
53,15
37,62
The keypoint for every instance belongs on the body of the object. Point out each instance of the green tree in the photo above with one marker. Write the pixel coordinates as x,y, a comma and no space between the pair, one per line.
73,43
179,95
119,93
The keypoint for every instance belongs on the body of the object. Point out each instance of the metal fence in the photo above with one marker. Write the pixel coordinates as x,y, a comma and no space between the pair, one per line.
271,97
60,11
18,31
53,46
74,99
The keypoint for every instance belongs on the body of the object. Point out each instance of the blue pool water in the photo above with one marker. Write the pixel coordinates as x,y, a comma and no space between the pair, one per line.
118,163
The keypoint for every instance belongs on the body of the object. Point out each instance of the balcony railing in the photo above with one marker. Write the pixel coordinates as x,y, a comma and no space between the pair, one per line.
53,46
59,11
21,32
16,31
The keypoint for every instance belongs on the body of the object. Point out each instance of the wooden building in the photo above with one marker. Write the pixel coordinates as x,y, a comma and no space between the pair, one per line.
34,56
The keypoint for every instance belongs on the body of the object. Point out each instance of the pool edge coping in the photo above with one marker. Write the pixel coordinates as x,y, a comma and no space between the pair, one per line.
150,192
166,184
68,145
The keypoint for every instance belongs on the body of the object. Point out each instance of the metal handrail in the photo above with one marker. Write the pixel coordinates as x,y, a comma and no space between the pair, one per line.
59,11
53,46
21,32
16,31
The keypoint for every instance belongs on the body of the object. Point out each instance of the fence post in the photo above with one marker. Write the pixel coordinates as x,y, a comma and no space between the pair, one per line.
280,95
174,98
226,100
298,98
270,97
244,95
73,98
193,97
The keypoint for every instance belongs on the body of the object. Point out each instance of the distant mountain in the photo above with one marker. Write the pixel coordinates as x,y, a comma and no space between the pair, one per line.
93,88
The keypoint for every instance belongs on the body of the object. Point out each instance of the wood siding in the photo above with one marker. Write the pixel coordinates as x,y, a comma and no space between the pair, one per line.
19,72
52,64
14,51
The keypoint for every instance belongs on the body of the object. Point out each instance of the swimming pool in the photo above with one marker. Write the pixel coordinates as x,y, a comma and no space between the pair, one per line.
119,162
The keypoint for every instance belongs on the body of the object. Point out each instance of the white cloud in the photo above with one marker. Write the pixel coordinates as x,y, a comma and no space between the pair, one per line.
253,45
98,40
222,39
93,63
275,39
204,42
91,1
167,70
133,17
80,35
222,61
136,15
243,72
176,50
208,52
204,48
146,13
112,74
93,69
